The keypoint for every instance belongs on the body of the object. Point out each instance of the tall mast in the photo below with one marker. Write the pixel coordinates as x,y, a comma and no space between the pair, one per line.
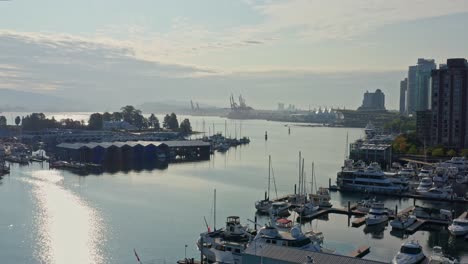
269,176
312,179
299,172
302,178
214,224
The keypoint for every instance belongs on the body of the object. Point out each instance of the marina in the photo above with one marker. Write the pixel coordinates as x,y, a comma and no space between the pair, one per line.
227,170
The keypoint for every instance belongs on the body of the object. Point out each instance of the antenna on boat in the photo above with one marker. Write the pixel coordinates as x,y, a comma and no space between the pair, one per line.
206,224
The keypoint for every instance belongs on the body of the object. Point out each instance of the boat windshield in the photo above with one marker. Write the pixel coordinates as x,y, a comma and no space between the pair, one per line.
460,223
410,250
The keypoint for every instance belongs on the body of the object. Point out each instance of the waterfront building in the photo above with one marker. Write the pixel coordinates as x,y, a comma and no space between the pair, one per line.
419,82
269,254
371,152
403,89
449,105
423,125
373,101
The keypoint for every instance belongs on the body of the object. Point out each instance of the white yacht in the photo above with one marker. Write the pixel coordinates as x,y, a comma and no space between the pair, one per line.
433,213
403,222
440,179
369,179
438,257
461,179
407,171
424,185
225,245
377,214
425,172
459,162
410,253
438,192
279,209
459,227
321,198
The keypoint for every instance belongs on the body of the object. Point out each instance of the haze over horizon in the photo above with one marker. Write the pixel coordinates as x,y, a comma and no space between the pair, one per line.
318,53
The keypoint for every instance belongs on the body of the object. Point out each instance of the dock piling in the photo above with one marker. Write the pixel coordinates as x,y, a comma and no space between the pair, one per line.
349,207
255,225
329,183
295,188
396,210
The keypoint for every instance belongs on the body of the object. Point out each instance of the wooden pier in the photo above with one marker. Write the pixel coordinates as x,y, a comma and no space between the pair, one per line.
360,252
415,226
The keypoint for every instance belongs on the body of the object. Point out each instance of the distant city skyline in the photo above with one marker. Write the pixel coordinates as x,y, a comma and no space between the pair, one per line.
319,53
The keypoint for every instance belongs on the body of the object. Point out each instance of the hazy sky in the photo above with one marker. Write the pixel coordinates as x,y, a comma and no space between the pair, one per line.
307,52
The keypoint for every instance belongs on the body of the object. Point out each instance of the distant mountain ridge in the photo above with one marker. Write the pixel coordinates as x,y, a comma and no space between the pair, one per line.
14,100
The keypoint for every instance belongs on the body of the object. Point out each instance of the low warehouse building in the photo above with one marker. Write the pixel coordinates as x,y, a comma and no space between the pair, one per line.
133,151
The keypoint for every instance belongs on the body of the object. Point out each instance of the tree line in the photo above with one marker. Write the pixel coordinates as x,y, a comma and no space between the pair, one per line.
128,114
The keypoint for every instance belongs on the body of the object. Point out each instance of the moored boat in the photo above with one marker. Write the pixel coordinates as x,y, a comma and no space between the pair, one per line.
378,214
410,253
459,227
403,222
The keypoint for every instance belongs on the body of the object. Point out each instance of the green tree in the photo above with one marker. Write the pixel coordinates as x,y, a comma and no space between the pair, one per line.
185,126
116,116
153,122
17,120
167,121
174,123
106,116
451,153
3,121
413,150
95,121
438,152
464,153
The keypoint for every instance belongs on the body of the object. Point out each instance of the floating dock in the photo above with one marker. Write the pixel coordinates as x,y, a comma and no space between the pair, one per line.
360,252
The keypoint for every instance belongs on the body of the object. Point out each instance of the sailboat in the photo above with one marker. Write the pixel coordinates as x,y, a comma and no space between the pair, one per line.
322,195
263,206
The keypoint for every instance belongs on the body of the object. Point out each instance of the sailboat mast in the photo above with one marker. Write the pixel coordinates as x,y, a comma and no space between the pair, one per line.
214,215
302,178
312,179
269,175
300,159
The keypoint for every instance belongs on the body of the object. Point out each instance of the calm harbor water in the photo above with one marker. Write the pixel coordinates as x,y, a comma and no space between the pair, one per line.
52,216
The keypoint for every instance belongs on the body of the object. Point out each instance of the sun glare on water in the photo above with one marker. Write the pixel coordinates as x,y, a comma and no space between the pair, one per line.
68,229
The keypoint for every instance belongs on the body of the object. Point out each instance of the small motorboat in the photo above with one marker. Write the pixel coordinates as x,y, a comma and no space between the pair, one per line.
403,222
365,205
459,227
410,253
263,206
279,209
439,257
307,209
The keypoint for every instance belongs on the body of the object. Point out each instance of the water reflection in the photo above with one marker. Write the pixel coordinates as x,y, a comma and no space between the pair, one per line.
376,231
69,230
